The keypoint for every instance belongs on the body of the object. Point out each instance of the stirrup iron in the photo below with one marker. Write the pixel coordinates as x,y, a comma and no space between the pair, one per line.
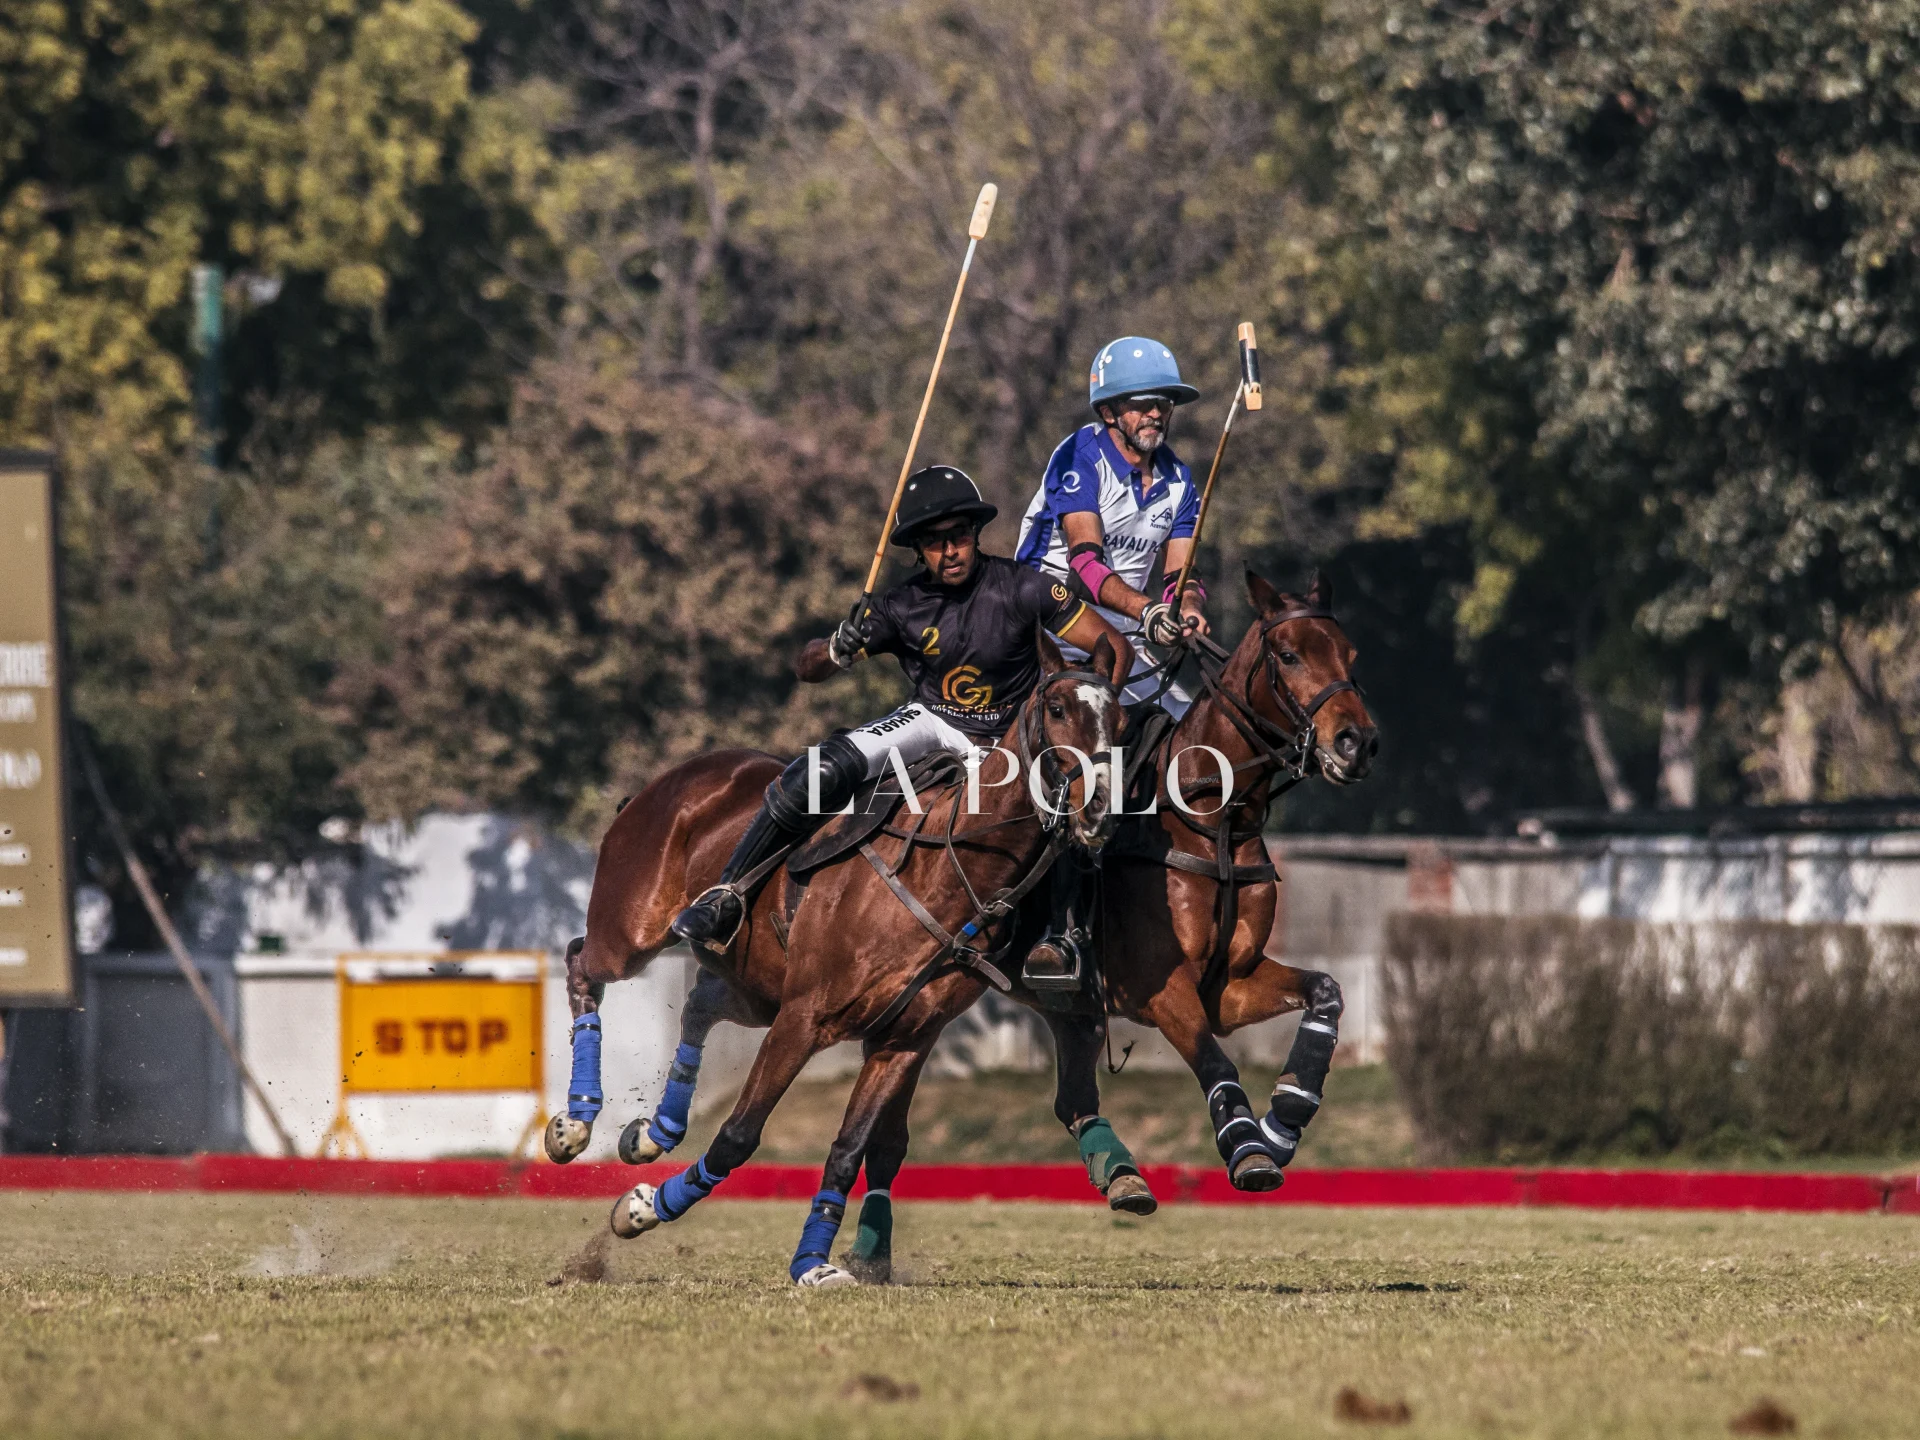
1073,946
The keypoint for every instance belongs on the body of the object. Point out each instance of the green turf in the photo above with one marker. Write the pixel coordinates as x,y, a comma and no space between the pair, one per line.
161,1316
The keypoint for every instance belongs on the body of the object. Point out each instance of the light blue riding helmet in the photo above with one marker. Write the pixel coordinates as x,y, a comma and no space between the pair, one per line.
1135,365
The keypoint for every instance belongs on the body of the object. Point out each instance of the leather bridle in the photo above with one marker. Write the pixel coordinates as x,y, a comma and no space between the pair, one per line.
1057,777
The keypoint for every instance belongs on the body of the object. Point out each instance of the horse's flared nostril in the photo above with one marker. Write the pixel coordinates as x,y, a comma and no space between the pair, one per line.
1347,744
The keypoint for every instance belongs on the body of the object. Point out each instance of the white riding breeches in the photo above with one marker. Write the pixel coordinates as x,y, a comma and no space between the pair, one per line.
912,730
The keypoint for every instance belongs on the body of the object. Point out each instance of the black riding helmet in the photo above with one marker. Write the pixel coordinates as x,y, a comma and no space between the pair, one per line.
938,493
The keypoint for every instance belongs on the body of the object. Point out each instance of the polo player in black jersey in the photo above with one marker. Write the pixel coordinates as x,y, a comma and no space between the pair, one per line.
963,630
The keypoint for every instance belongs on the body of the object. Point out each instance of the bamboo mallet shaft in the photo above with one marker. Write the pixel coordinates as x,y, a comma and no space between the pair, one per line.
976,232
1246,393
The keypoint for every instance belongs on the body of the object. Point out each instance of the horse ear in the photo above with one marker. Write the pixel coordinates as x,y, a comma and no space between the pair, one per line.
1101,661
1266,599
1320,593
1051,660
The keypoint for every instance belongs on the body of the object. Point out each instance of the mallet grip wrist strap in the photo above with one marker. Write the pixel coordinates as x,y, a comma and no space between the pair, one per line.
1171,593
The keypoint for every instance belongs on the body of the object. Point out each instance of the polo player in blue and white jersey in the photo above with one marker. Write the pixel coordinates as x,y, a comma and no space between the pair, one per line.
1116,500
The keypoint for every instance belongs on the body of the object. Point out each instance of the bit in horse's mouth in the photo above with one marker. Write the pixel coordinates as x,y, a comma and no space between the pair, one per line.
1334,769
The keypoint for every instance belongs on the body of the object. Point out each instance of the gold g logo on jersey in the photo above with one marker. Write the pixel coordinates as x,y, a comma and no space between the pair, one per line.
1059,592
961,686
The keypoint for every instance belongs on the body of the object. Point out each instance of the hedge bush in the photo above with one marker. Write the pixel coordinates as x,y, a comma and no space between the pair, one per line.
1550,1037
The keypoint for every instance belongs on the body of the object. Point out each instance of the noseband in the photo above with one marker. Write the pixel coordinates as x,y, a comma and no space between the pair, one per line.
1300,715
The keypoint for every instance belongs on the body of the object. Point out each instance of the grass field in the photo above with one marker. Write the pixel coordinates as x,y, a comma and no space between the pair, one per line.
163,1316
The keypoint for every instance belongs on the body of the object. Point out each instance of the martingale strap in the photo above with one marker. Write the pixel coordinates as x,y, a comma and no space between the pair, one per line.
954,954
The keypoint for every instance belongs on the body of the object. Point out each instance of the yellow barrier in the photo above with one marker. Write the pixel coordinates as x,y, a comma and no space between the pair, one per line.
461,1022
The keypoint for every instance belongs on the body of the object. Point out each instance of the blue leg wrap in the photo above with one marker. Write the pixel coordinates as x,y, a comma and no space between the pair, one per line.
677,1196
816,1236
583,1090
669,1124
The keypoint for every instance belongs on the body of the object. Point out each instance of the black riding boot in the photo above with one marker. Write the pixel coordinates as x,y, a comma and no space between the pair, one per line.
1057,960
783,821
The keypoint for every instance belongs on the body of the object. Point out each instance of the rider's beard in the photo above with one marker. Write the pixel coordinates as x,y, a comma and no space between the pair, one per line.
1147,438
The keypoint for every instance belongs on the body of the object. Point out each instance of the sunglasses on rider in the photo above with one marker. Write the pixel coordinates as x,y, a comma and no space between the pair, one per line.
944,536
1149,404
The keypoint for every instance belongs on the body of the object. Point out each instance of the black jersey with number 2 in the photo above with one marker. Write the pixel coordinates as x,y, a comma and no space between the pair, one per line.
969,649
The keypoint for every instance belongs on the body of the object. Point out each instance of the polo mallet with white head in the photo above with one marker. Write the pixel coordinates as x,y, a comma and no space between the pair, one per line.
1247,393
976,232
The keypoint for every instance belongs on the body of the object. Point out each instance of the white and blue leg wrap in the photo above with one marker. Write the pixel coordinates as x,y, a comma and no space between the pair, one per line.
669,1124
817,1235
583,1089
683,1191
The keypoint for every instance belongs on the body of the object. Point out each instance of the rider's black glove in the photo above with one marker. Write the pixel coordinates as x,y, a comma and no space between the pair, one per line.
852,636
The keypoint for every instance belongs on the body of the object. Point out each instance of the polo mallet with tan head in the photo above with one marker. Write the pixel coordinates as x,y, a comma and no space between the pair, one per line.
1246,393
976,232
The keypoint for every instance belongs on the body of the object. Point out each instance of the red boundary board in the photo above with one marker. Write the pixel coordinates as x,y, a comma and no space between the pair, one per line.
1595,1189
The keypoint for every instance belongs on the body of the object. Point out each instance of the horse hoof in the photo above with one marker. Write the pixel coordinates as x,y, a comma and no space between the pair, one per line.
1257,1174
637,1147
824,1277
871,1270
567,1138
1130,1196
633,1213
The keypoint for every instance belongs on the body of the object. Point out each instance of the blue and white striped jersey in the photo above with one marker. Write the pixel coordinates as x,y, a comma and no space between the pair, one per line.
1137,517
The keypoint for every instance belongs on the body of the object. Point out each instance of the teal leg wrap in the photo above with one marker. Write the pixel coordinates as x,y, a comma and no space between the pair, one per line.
873,1241
1103,1154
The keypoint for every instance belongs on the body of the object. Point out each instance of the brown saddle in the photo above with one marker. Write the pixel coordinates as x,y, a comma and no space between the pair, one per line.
874,804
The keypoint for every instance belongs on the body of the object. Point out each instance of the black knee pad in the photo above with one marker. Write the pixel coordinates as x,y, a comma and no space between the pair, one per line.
842,768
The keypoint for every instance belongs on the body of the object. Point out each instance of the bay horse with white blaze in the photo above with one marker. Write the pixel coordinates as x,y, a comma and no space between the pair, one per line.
887,952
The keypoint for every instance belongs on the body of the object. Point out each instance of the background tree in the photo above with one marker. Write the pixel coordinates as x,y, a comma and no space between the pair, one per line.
1671,246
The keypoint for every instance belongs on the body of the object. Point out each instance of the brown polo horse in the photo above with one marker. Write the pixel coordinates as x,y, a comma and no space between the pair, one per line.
888,951
1189,894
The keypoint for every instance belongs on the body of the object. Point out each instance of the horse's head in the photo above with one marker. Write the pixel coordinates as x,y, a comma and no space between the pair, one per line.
1307,661
1073,721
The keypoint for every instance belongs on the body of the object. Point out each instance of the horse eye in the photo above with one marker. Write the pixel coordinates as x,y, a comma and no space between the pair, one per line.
1055,710
1287,657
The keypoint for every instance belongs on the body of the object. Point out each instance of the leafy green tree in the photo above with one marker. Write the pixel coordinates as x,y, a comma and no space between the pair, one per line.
1664,257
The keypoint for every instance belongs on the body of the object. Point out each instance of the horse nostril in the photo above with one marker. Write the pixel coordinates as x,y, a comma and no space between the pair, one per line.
1346,744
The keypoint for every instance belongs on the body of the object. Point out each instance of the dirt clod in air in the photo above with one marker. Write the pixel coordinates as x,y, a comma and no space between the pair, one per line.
589,1265
1352,1406
1765,1418
879,1387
